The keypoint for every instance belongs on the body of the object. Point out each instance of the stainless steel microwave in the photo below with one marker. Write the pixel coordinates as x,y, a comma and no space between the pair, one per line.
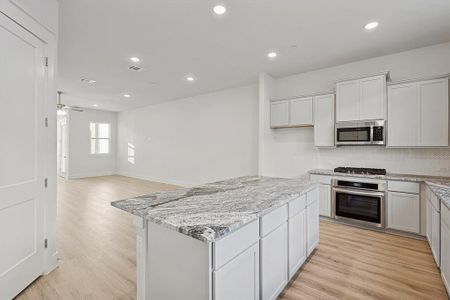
361,133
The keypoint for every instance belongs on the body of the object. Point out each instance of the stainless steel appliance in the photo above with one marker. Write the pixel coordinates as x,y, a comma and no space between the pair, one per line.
359,200
361,133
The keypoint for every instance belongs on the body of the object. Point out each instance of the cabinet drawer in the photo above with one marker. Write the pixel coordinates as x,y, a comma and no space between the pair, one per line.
322,179
273,219
312,196
404,187
297,205
445,215
236,242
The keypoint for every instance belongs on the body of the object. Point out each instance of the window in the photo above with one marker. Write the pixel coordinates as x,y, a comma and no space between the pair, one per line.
100,138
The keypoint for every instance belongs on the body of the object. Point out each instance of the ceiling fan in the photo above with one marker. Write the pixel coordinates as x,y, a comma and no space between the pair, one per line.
62,107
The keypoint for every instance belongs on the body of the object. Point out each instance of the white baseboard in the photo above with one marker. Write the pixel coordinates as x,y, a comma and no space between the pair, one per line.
90,174
152,178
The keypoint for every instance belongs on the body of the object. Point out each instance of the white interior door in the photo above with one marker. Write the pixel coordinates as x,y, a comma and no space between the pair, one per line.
22,137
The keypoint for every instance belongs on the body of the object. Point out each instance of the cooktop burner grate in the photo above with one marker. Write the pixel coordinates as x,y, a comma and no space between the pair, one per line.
369,171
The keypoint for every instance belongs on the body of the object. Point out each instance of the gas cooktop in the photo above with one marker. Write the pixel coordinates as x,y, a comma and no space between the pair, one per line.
368,171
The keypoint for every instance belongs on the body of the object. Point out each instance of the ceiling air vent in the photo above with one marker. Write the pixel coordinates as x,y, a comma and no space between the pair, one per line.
136,68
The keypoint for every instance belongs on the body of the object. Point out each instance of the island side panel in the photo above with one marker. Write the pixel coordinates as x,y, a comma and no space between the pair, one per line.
141,258
172,265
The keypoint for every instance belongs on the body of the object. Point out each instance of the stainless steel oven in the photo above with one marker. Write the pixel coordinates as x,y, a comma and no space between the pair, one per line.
361,133
359,202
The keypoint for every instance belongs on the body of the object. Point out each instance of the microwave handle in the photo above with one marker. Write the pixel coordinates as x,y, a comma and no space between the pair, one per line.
371,134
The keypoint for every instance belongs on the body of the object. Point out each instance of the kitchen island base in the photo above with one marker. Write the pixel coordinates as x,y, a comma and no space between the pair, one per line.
255,261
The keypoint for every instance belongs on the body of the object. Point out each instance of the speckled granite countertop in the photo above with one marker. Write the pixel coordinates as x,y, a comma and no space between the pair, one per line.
439,185
213,210
388,176
441,190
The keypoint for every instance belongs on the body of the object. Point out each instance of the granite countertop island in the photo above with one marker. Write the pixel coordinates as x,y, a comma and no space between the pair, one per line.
211,211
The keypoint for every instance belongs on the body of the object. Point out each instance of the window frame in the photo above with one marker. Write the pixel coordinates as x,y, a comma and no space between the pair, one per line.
96,138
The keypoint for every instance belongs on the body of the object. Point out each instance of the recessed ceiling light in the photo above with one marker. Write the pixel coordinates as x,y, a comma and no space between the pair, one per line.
190,78
371,25
135,59
219,9
87,80
127,95
95,105
272,54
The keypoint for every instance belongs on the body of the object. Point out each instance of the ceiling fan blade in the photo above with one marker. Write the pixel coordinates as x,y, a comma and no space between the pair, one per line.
75,108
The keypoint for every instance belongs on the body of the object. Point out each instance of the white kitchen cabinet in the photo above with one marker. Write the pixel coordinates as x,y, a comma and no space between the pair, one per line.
403,212
445,247
436,235
347,101
312,217
433,230
274,262
433,126
403,115
372,104
418,114
325,200
361,99
324,120
297,241
239,278
301,112
279,114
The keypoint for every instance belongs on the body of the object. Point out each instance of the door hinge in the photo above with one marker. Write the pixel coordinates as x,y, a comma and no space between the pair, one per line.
46,122
46,61
45,243
45,182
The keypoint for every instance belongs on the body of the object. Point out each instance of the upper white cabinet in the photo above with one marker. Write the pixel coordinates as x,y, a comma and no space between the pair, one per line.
433,107
302,111
279,114
291,113
362,99
418,114
324,120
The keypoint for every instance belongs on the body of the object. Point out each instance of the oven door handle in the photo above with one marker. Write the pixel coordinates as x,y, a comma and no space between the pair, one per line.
361,193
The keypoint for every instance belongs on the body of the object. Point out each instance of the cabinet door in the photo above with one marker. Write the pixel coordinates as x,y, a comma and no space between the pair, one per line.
312,221
239,279
403,212
279,114
347,101
297,241
445,258
372,98
324,121
403,115
301,111
436,235
274,263
433,97
429,228
325,200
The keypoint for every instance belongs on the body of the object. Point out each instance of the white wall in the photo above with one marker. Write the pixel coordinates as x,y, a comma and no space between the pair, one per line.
81,162
193,140
290,152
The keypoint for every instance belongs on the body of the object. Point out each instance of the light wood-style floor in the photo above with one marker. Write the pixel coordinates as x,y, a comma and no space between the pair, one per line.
97,253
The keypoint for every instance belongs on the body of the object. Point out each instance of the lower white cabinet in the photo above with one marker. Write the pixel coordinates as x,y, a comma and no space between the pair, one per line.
239,279
403,212
433,230
274,262
297,241
445,247
325,200
312,217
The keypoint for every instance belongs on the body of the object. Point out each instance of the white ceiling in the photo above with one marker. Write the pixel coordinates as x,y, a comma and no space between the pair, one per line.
175,38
